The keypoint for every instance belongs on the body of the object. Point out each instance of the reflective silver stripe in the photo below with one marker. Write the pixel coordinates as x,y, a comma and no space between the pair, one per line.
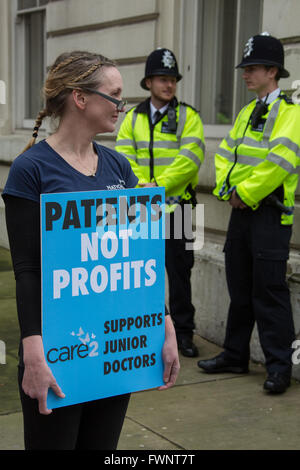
164,161
266,134
231,142
142,144
254,161
282,162
226,154
251,161
193,140
169,144
271,121
143,161
181,122
287,143
132,157
157,161
166,144
246,141
126,142
264,144
260,144
134,118
161,144
191,155
243,159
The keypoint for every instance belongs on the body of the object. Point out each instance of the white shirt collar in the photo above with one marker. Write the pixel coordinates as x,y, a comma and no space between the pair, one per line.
153,110
272,96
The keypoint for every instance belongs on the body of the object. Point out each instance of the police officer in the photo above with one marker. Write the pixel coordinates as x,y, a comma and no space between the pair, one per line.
163,141
256,172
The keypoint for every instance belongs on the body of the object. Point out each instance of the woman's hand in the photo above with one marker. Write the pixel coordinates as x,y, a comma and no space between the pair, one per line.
38,377
170,355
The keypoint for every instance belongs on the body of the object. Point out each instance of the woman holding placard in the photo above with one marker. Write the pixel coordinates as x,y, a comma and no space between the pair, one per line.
83,92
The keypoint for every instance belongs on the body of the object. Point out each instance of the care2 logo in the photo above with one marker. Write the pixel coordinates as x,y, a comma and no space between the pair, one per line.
87,348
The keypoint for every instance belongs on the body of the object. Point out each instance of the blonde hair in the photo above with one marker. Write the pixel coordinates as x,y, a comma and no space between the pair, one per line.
71,70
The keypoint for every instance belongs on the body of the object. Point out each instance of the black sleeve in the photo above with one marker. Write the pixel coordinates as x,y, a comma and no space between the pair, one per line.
23,227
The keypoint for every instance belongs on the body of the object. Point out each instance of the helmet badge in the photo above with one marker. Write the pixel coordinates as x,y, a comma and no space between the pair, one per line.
168,59
248,47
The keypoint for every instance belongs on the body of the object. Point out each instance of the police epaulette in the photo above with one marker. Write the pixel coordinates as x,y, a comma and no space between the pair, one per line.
128,110
142,107
185,104
286,98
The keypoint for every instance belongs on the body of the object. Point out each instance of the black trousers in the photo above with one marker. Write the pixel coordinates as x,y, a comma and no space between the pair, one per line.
94,425
256,253
179,263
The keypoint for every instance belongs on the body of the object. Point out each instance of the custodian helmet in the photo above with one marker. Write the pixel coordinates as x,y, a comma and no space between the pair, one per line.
265,50
161,62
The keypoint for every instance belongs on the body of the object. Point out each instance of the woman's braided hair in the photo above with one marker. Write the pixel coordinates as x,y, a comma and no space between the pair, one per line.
70,70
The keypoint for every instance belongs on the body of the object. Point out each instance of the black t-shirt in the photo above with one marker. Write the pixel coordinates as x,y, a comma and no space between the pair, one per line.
42,170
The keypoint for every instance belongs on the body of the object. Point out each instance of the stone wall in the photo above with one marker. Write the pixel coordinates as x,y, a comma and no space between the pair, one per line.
127,31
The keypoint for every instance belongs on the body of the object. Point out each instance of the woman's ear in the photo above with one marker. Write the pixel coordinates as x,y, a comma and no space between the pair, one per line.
79,98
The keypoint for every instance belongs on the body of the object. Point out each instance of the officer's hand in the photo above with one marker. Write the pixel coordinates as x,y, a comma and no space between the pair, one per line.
236,202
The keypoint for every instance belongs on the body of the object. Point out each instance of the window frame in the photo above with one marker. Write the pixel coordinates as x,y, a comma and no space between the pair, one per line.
190,67
18,41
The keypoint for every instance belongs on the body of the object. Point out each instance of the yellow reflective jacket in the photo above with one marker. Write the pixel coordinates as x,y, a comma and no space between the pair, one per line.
256,162
171,158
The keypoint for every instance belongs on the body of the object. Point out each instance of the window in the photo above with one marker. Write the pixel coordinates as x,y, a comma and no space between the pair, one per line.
30,59
223,29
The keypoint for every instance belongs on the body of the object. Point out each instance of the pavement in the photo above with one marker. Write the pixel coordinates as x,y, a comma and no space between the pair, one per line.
201,412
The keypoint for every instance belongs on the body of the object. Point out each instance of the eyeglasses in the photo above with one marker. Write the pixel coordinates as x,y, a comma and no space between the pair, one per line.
119,103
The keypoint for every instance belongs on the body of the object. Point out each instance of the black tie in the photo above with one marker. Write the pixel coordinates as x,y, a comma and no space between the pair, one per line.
157,116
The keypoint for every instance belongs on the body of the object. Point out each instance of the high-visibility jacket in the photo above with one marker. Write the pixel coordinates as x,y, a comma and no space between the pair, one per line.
256,162
171,158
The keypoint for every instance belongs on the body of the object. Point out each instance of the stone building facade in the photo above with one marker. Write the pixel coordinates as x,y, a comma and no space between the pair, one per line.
208,38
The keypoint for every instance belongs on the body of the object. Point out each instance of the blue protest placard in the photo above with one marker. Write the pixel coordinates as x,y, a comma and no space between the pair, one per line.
103,278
